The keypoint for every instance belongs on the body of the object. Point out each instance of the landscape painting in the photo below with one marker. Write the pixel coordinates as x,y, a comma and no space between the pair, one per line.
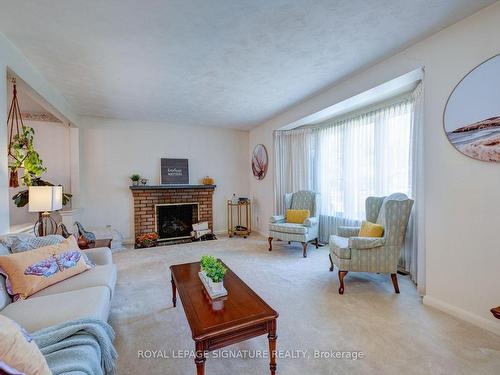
472,113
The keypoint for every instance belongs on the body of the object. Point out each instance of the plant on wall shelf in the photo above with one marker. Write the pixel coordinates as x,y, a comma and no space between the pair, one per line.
135,178
21,199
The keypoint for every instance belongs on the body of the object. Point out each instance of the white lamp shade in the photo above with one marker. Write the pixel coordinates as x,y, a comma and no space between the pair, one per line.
45,198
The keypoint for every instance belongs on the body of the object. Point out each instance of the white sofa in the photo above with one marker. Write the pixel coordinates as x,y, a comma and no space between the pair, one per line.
82,296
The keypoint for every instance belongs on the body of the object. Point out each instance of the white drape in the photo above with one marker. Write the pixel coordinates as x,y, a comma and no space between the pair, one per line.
294,153
415,244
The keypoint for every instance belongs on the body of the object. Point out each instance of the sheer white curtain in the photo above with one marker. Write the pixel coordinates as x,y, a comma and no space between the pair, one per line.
366,155
294,154
414,252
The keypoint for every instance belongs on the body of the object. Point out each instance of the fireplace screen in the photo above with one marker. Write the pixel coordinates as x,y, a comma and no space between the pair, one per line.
175,221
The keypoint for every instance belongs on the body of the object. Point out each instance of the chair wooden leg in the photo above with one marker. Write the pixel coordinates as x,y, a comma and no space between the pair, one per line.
270,240
316,243
342,274
304,245
394,277
331,262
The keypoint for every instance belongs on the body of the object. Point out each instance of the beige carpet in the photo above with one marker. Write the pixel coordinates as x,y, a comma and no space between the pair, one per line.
396,333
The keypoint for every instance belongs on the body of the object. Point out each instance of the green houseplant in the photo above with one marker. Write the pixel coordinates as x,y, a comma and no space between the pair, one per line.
21,199
23,155
215,274
135,178
206,262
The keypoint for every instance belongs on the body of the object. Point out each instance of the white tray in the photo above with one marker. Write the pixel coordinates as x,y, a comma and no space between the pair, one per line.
209,290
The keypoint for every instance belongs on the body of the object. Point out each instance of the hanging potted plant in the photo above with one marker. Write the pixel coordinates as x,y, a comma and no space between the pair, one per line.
24,156
21,153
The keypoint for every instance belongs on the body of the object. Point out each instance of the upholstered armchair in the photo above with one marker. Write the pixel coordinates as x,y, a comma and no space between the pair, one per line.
348,252
304,233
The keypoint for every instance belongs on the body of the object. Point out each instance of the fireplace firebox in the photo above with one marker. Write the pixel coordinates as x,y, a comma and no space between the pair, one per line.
175,220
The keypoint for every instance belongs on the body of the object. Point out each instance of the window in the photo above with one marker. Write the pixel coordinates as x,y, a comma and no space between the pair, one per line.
346,161
365,155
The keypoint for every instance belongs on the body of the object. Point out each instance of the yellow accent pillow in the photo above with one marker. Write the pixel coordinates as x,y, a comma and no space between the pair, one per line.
371,230
18,352
297,216
31,271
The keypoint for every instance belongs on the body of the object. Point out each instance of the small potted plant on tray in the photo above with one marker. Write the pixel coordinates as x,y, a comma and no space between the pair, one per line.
135,178
215,274
206,262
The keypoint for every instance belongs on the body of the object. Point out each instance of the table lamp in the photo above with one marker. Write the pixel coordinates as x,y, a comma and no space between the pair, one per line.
45,199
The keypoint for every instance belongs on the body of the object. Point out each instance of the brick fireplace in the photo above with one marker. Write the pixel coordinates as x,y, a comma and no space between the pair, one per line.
156,207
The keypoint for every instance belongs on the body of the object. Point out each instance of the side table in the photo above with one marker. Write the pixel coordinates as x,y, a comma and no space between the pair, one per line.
105,242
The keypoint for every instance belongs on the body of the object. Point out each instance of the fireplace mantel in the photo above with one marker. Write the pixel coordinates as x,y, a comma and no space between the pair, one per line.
177,186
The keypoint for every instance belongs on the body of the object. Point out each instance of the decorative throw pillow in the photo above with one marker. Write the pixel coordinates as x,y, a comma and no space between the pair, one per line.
7,239
5,298
371,230
20,244
32,271
18,352
4,250
297,216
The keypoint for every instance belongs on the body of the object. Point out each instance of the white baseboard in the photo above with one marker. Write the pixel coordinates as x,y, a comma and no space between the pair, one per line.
490,325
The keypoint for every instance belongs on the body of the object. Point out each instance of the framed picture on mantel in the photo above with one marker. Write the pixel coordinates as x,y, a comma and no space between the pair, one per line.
174,171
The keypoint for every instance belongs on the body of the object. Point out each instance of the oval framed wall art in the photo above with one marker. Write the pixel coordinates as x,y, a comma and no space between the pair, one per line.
260,162
471,117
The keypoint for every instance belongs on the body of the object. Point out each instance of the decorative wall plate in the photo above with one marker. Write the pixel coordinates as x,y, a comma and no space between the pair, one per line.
259,162
472,113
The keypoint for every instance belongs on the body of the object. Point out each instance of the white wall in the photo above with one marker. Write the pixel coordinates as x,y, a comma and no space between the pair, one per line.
11,58
462,205
52,143
112,150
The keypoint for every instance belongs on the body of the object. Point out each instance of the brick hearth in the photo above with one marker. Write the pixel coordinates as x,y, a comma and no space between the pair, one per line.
146,197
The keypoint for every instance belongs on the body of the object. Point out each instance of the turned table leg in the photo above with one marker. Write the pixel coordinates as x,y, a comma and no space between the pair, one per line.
174,292
200,359
270,240
272,347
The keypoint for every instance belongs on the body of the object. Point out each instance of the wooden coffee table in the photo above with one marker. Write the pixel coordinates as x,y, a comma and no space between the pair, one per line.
244,314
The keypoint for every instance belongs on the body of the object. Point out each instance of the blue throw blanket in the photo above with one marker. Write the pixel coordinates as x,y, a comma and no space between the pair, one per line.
78,347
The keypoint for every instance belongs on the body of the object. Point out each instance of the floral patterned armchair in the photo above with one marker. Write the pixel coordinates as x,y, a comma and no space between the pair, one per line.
373,254
303,233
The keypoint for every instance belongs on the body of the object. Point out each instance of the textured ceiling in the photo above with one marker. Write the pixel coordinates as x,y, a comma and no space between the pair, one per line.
222,63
